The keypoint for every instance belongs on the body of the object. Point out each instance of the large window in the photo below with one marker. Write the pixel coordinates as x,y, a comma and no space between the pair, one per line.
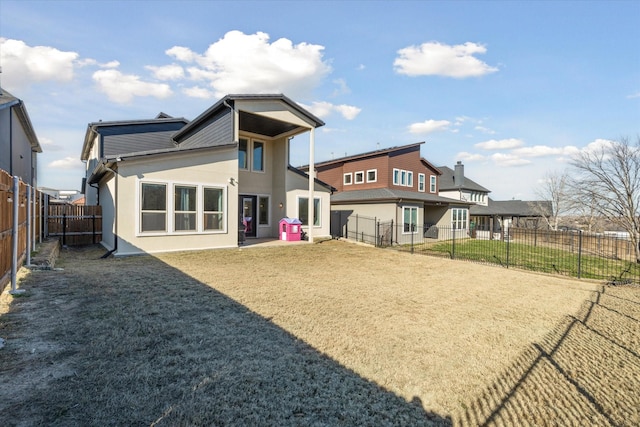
421,182
459,218
195,208
303,211
402,177
432,184
243,153
410,219
184,208
213,211
258,156
263,210
358,177
153,207
372,175
347,178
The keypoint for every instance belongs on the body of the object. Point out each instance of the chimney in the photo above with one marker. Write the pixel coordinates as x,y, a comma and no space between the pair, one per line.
458,175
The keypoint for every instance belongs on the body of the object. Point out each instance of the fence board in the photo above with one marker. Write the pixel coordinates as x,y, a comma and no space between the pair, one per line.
75,225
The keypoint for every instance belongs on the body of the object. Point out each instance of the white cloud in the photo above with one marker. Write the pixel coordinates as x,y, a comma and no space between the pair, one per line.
470,157
323,109
634,95
68,163
502,159
23,64
48,145
198,92
342,87
121,88
502,144
437,59
167,72
249,63
429,126
485,130
543,150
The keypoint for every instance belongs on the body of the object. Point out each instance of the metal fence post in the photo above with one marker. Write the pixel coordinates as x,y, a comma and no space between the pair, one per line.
14,237
453,243
391,242
28,230
508,239
376,232
356,227
579,253
93,228
412,228
64,229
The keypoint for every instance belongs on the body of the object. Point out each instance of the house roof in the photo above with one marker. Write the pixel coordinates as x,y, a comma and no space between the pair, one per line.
365,155
306,175
9,101
249,120
521,208
387,194
161,139
447,182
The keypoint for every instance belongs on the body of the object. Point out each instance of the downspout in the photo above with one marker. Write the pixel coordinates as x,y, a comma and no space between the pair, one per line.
115,216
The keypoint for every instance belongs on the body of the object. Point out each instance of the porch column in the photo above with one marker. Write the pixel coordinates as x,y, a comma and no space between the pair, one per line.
311,183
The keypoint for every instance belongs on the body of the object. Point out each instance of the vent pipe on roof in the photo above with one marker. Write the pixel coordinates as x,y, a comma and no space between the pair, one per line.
458,175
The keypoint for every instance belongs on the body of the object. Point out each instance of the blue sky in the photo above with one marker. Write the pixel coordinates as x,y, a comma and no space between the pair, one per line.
512,89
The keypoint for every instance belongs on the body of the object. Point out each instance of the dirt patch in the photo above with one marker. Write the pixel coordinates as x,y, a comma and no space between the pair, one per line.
323,334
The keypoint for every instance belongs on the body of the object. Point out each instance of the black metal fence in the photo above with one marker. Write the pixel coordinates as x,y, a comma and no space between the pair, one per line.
570,253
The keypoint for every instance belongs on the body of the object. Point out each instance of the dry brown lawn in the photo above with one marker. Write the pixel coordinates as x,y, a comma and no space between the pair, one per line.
325,334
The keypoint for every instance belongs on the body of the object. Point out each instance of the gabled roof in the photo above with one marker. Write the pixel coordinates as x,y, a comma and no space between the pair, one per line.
447,183
132,127
9,101
521,208
251,119
378,195
366,155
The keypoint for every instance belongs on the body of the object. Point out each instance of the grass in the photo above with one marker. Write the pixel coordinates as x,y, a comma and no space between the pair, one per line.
324,334
536,258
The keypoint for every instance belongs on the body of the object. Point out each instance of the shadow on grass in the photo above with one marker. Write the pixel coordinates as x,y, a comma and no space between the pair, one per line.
585,372
136,342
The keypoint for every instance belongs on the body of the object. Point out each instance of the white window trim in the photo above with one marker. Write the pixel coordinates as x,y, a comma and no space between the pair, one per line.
174,211
250,141
344,178
319,210
396,172
417,215
355,177
375,172
409,178
422,184
435,184
170,208
268,196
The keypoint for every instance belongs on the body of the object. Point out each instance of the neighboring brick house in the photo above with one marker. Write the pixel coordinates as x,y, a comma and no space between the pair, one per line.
392,184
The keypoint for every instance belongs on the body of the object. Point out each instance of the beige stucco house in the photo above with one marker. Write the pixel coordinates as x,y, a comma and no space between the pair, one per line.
169,184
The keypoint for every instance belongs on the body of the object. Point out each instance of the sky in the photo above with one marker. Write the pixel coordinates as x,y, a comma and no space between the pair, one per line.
512,89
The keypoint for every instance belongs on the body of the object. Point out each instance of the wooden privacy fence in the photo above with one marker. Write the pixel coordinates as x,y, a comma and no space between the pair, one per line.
75,225
7,201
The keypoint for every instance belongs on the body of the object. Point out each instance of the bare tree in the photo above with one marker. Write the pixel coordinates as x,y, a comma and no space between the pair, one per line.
554,190
608,177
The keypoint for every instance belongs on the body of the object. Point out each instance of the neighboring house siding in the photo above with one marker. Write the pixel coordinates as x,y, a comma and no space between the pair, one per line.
408,161
216,131
5,138
379,164
333,176
17,158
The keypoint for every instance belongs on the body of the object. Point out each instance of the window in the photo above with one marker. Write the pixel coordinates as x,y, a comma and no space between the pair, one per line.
403,177
258,156
409,179
396,177
432,184
213,209
243,153
358,177
421,182
409,219
153,207
195,208
459,218
372,175
263,210
184,208
303,211
347,179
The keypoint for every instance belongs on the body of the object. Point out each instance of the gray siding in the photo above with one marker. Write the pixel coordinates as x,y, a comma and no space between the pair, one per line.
214,132
136,142
17,157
